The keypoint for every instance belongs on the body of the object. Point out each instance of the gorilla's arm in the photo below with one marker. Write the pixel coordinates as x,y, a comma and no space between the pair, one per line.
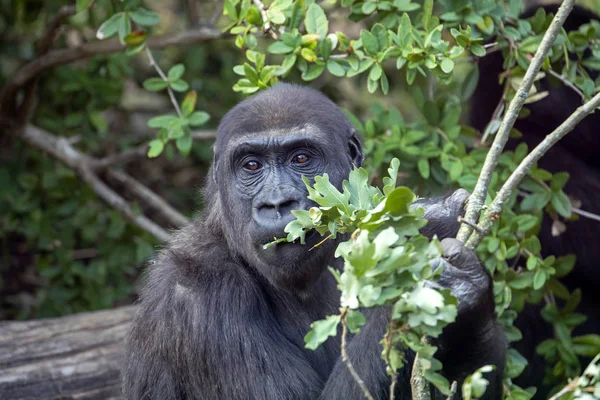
211,338
474,340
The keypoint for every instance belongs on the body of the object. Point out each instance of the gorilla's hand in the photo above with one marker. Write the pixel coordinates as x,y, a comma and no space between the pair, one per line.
442,213
468,280
474,339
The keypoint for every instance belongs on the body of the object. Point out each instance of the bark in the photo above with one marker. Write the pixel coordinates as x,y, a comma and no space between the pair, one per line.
73,357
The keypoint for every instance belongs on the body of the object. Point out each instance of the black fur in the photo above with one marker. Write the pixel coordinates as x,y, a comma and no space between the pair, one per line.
579,154
221,318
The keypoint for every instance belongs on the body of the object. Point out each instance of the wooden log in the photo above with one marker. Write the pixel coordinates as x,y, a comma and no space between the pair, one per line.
74,357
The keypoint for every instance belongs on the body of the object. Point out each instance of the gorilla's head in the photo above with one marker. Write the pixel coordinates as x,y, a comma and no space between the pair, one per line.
264,146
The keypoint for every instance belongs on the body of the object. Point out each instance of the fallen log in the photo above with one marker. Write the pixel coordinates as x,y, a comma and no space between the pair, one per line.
74,357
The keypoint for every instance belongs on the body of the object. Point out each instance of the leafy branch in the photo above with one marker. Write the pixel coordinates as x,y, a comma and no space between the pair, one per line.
477,199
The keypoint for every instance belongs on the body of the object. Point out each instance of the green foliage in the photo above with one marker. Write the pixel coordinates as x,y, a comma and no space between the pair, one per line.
386,263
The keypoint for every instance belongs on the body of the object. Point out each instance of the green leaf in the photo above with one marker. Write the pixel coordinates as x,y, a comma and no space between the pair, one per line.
189,103
313,71
427,13
110,26
81,5
369,42
198,118
558,181
280,48
539,279
478,50
447,65
380,33
321,330
124,27
335,69
423,166
162,121
316,21
156,148
144,17
355,319
179,85
155,84
176,72
184,144
561,204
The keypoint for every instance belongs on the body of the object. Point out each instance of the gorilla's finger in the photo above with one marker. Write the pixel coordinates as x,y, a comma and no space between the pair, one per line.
456,202
458,254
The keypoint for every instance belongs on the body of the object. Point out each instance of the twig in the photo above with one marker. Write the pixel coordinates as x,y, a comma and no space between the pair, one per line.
518,174
52,28
61,149
498,110
65,56
347,361
569,388
418,384
578,211
453,389
477,199
164,78
388,341
267,27
149,197
566,82
461,220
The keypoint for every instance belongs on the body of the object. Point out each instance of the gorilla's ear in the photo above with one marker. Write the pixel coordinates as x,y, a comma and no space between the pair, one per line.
355,150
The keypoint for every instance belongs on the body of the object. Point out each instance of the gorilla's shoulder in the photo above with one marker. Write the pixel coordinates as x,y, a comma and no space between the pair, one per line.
194,251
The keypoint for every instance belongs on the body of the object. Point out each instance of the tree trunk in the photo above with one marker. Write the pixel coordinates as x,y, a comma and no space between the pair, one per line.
74,357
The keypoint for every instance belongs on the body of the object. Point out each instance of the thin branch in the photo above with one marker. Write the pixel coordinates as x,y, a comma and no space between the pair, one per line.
453,390
418,384
52,28
61,149
518,174
569,388
477,199
149,197
586,214
566,82
267,27
164,78
578,211
347,361
65,56
388,341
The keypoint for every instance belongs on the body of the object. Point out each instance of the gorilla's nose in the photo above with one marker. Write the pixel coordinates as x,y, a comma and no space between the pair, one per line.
274,212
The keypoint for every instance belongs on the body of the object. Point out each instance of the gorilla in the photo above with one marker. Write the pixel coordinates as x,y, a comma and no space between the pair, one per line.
579,155
222,318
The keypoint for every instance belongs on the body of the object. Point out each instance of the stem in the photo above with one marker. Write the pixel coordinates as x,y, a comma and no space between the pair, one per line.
346,360
518,174
566,82
418,385
569,388
388,341
477,199
267,27
164,78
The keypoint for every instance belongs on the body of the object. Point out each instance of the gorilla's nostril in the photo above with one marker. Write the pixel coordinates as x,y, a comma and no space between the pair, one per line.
287,206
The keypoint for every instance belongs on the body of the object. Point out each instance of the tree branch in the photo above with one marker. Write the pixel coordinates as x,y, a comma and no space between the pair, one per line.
267,25
149,197
164,78
566,82
517,176
61,149
347,361
65,56
477,199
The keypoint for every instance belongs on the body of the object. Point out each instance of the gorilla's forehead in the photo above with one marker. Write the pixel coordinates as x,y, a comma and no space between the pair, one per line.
277,137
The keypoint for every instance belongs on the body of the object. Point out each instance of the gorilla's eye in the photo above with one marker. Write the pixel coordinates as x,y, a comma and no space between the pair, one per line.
252,165
300,159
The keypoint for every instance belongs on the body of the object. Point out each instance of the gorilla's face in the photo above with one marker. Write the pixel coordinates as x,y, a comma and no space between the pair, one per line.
263,184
